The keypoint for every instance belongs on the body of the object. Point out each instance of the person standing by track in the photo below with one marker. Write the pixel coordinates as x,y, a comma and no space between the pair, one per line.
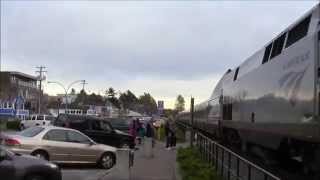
173,137
133,129
149,142
168,134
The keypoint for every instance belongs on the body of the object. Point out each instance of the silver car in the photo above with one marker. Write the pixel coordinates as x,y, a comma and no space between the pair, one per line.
61,145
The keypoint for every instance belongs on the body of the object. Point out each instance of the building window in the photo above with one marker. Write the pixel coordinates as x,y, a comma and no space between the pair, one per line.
299,31
278,45
267,53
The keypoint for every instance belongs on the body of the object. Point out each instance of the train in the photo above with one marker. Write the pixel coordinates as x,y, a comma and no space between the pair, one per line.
271,100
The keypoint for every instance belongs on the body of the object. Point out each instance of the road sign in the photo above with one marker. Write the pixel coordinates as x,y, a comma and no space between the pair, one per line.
7,111
160,107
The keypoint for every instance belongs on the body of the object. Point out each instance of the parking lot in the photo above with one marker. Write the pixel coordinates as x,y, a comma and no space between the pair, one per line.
78,171
83,173
160,167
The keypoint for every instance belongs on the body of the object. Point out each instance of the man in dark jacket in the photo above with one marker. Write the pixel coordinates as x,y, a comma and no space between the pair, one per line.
168,134
149,131
148,148
173,138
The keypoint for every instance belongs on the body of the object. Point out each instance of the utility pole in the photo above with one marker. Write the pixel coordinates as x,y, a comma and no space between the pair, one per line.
40,71
191,118
83,84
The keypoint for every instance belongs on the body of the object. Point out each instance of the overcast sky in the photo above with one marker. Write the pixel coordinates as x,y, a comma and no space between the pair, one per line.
165,48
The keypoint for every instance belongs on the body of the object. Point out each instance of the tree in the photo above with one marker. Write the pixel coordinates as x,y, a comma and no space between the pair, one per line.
180,103
132,98
128,100
94,99
73,91
147,104
114,101
169,113
111,97
81,98
110,93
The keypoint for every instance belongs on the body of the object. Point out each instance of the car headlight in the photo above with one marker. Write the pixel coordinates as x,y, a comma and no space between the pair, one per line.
53,166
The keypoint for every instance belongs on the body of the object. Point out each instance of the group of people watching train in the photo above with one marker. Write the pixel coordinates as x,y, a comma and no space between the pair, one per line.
138,130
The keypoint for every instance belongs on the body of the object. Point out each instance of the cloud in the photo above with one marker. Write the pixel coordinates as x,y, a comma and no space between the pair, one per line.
118,43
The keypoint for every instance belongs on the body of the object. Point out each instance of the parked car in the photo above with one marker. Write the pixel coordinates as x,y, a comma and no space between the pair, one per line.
100,130
15,166
120,124
36,120
61,145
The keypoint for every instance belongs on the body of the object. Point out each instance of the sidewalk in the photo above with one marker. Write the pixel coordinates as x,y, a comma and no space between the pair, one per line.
160,167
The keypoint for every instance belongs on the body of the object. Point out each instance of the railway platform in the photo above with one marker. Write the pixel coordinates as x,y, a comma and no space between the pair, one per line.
162,166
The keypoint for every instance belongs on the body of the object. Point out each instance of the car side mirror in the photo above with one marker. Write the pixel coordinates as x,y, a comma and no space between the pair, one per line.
91,143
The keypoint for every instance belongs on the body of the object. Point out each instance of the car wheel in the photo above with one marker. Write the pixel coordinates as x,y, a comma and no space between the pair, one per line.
107,160
41,155
35,177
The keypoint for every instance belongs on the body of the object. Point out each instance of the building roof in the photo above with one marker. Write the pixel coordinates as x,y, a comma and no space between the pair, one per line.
21,74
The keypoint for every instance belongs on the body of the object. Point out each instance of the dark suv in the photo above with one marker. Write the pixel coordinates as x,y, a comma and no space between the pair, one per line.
100,130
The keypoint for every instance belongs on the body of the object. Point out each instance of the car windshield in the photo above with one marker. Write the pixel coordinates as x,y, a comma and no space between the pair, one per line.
31,132
50,118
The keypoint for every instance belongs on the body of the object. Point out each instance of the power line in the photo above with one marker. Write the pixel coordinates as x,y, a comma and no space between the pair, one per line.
40,79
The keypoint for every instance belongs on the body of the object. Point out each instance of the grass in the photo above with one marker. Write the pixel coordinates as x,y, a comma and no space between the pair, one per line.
192,167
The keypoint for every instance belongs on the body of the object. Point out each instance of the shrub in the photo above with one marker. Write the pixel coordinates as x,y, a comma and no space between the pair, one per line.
13,125
192,167
180,133
162,133
3,125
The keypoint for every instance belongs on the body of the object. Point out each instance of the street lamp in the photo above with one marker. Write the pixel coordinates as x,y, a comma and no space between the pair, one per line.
66,89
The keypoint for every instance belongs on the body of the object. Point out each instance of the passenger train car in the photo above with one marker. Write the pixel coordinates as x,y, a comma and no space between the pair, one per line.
272,98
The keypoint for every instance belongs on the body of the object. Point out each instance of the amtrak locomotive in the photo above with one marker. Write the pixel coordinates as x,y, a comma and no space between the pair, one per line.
272,99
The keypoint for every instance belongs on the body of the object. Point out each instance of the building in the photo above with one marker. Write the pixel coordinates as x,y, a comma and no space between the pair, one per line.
18,93
70,98
56,112
107,110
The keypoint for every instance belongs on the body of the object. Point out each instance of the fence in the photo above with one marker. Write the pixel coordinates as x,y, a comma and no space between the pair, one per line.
228,164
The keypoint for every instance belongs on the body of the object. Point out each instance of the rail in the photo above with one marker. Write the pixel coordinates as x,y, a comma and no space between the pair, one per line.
228,164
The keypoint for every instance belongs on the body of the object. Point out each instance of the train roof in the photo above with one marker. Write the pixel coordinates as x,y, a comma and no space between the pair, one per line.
255,60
